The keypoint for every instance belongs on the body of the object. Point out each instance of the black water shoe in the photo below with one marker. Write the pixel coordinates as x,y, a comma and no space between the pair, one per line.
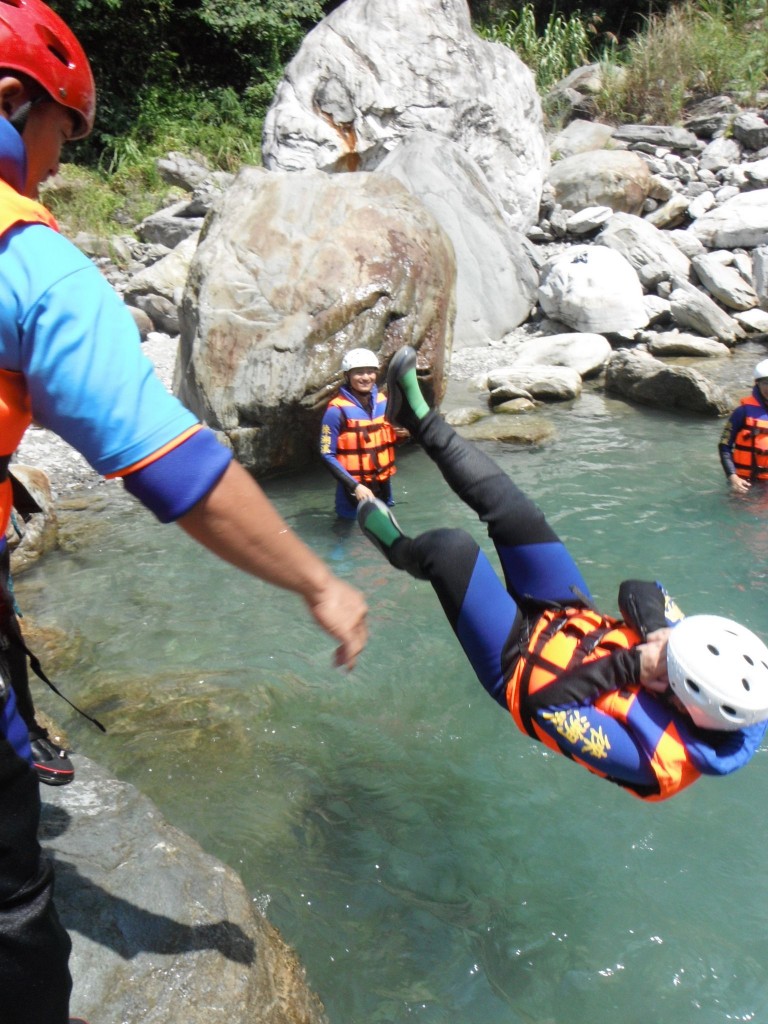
51,763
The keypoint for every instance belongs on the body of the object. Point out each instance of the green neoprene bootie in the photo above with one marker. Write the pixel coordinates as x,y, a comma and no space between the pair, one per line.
379,525
383,531
406,405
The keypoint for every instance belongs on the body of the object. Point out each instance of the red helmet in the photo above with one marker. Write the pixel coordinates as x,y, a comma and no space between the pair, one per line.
35,41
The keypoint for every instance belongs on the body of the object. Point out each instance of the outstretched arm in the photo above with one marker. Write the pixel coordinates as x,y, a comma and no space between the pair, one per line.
238,523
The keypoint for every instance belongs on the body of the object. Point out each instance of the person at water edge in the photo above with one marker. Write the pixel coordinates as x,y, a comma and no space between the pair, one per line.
70,357
357,443
743,444
650,701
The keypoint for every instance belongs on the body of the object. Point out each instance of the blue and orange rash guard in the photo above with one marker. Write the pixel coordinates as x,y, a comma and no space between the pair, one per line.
597,713
743,444
70,358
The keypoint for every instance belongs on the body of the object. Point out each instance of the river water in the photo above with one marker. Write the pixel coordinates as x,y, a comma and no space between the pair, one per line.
427,861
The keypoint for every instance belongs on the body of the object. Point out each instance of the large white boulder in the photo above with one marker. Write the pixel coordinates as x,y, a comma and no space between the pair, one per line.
593,289
374,71
496,280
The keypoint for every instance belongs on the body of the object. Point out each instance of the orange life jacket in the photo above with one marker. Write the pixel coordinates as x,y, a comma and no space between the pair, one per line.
15,407
365,447
750,447
560,641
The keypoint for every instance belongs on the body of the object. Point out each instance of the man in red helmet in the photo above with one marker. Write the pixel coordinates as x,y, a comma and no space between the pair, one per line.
70,358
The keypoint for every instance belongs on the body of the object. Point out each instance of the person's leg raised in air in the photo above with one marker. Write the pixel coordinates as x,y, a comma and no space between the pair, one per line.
536,564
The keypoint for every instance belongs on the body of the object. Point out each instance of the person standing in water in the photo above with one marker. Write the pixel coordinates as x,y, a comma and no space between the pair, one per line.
743,444
650,701
357,443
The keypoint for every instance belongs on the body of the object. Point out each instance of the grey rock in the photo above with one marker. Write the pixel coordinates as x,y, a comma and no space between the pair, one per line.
671,214
589,78
661,188
588,220
724,283
667,344
496,280
641,243
183,170
520,430
753,320
514,407
142,320
464,416
760,275
757,172
580,136
587,354
692,308
611,178
641,378
163,313
702,204
710,117
32,534
160,930
658,309
678,139
686,242
170,226
545,383
292,270
750,129
739,222
167,275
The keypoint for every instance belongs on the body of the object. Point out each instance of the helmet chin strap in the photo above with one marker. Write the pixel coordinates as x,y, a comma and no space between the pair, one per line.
19,117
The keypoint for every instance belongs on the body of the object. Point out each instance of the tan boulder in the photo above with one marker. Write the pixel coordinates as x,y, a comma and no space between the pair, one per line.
292,270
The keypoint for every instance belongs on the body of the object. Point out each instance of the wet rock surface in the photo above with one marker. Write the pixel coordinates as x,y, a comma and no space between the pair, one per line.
161,932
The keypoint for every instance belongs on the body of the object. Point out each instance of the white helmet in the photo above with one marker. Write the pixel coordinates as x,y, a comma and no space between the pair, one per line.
719,670
359,359
761,370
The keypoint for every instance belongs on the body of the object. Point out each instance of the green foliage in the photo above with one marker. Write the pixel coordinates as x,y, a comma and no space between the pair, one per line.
147,53
697,49
564,44
85,199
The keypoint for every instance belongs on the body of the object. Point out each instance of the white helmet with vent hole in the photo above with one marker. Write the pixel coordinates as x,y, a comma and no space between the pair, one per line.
719,671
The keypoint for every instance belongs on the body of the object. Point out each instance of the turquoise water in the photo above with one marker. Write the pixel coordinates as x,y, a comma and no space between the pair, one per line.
426,860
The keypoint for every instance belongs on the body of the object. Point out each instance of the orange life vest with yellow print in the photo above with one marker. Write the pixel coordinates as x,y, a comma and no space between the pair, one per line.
750,446
365,447
15,407
563,639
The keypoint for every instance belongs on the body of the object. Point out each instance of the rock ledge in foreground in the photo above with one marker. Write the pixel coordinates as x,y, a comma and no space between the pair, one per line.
161,931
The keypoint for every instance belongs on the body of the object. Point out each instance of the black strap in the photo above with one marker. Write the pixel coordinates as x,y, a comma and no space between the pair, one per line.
10,629
37,668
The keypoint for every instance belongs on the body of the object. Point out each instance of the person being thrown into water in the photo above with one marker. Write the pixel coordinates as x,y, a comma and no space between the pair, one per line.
650,702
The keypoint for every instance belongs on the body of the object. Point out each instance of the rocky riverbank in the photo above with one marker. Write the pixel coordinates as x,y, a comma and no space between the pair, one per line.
161,932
